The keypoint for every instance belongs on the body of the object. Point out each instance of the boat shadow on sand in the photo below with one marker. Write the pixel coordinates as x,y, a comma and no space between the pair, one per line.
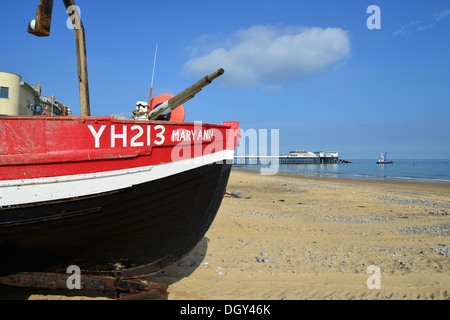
181,269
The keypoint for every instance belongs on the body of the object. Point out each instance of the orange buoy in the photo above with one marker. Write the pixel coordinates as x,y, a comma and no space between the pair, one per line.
176,115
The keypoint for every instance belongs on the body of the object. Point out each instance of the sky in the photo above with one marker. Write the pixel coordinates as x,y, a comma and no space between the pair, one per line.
328,75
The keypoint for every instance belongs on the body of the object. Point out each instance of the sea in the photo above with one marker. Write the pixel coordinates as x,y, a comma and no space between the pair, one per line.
419,170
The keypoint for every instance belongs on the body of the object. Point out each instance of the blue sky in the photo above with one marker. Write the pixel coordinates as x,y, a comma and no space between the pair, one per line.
312,69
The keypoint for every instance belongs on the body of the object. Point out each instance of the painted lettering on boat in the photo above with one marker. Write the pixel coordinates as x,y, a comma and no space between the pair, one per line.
147,135
129,136
192,135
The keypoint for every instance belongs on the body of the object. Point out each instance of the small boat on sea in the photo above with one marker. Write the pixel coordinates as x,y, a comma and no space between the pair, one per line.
127,197
383,159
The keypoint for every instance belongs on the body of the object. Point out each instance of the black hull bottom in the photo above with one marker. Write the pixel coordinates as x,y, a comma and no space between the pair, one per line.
139,230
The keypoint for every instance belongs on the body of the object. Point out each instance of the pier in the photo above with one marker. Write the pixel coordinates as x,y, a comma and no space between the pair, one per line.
294,157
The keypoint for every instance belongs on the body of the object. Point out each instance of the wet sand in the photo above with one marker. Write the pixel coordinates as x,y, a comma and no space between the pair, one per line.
297,238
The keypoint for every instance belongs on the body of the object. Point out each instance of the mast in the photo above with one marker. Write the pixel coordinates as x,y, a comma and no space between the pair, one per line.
41,27
80,41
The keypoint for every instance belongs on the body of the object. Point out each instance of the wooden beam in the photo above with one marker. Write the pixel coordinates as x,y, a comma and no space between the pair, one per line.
80,40
41,25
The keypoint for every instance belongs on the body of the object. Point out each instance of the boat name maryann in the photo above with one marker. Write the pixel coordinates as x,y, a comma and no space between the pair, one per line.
138,136
190,135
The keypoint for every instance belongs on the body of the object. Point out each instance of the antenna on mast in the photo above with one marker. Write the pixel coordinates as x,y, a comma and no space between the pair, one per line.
153,76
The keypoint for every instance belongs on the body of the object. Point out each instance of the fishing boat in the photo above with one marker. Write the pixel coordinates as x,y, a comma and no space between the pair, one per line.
127,197
383,159
99,192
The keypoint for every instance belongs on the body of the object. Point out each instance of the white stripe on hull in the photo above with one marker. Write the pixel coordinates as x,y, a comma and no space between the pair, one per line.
17,192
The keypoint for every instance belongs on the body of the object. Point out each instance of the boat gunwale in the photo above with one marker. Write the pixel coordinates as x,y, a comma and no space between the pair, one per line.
111,119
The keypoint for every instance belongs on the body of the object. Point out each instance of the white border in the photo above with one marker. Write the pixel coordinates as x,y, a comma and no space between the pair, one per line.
17,192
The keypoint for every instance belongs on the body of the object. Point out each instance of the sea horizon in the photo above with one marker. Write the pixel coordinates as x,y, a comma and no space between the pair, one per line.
414,170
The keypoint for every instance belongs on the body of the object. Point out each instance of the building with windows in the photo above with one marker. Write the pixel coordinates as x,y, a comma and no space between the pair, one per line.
17,97
54,108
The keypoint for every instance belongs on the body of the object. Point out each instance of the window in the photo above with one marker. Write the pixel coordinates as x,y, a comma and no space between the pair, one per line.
38,110
4,92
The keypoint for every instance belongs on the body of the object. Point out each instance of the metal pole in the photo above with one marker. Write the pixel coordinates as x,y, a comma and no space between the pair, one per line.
81,57
153,76
183,96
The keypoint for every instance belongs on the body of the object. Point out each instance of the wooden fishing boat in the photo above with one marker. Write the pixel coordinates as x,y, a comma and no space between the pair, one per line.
99,193
113,196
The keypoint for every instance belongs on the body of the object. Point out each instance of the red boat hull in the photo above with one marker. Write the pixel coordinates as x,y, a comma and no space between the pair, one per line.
108,195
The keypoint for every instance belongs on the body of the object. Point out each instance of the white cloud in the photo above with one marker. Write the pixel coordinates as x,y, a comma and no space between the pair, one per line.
406,30
267,55
442,15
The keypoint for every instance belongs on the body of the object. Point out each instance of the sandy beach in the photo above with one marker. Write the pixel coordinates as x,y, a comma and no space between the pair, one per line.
297,238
